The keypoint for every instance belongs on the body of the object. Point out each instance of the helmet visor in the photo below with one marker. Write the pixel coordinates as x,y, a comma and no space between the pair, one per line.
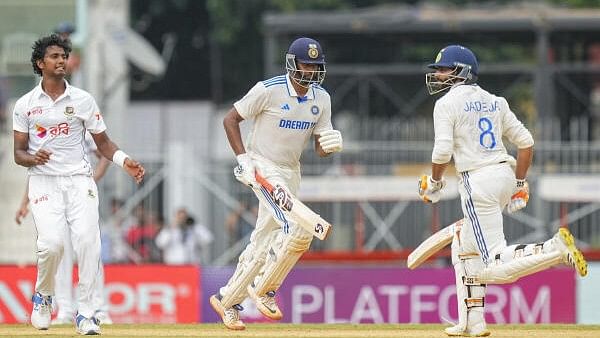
304,78
438,82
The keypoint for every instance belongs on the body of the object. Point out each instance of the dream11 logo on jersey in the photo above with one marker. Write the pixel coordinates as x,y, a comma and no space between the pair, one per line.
135,294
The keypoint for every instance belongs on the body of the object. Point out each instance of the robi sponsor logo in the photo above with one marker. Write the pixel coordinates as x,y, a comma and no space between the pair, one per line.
60,129
41,131
40,199
35,111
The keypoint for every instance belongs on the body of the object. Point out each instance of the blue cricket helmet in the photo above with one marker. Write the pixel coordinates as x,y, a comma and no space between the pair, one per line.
456,57
307,51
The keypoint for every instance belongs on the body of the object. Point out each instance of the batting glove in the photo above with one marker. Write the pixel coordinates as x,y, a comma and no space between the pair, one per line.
244,172
430,190
520,198
331,141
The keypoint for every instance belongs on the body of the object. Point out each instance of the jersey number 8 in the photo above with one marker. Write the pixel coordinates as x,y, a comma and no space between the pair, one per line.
486,138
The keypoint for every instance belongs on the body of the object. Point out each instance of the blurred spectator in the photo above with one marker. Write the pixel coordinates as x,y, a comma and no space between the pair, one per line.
237,226
3,101
197,239
114,248
141,235
65,29
184,241
594,59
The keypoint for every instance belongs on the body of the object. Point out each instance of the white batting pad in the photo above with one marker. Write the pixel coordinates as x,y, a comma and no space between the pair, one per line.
510,272
236,290
281,262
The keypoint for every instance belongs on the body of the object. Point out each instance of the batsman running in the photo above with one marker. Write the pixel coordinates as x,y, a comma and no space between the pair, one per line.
470,124
286,110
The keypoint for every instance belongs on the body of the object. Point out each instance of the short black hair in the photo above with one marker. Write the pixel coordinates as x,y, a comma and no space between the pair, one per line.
39,49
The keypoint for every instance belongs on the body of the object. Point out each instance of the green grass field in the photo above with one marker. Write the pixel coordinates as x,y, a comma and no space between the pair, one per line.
302,330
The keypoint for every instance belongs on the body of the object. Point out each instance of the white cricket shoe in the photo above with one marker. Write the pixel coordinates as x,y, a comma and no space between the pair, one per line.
479,330
103,317
42,310
266,304
571,255
455,331
231,316
86,326
459,331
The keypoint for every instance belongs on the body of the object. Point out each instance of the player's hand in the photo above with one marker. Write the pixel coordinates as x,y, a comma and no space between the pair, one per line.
41,157
21,214
245,170
134,169
520,197
430,190
331,141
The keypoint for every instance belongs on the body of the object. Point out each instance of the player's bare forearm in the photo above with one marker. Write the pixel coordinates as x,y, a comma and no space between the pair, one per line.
231,123
524,158
437,170
106,147
24,158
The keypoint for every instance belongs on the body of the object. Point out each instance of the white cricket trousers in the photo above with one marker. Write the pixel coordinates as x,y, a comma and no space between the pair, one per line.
484,193
64,284
58,202
267,233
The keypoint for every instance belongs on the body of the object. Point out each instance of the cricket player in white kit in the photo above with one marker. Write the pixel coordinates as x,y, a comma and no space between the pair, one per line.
63,282
470,124
287,111
49,124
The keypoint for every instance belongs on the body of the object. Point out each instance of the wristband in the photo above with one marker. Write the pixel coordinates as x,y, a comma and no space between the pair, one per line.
521,182
119,157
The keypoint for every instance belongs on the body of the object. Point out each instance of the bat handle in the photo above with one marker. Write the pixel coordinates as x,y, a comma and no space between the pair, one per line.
263,181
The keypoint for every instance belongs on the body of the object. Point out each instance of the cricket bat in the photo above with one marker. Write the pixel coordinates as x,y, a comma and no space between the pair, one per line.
306,218
433,244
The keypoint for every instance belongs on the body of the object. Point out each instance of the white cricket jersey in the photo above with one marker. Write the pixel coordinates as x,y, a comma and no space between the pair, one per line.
59,127
469,124
283,121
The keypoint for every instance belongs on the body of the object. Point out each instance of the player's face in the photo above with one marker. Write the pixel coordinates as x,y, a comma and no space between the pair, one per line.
442,73
54,63
308,70
443,78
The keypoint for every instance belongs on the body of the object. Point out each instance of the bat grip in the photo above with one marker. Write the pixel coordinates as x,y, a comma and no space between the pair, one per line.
263,181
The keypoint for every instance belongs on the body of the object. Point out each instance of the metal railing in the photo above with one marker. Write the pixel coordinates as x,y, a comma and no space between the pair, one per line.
368,151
